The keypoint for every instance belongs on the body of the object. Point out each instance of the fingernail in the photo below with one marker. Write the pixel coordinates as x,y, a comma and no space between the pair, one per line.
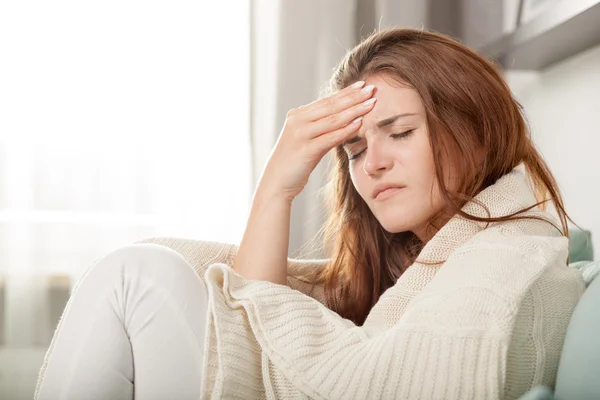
358,84
367,89
370,101
357,120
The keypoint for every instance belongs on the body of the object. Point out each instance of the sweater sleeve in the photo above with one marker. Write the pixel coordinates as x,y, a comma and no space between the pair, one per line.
200,254
451,342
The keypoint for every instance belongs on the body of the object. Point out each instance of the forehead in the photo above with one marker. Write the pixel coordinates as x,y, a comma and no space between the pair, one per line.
392,99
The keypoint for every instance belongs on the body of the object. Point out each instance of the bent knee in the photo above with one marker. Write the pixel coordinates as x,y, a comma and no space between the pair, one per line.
144,259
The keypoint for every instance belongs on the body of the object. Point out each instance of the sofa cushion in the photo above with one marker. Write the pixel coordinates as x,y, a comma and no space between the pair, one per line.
579,364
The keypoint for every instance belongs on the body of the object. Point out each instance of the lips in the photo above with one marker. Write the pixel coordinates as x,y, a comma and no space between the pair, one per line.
383,192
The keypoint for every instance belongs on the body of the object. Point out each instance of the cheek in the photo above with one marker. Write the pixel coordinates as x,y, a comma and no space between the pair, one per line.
421,175
358,178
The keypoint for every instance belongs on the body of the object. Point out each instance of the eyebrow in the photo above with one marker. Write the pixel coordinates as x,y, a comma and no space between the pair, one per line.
381,124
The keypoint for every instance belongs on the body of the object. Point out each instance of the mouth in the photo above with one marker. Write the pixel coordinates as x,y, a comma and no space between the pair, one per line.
386,192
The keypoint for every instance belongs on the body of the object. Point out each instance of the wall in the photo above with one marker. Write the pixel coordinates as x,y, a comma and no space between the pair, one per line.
562,106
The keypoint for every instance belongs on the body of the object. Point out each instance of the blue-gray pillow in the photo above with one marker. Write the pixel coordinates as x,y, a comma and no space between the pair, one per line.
580,246
538,392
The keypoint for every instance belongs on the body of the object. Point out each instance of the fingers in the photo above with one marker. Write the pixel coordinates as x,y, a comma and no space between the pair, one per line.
338,136
337,121
336,96
337,102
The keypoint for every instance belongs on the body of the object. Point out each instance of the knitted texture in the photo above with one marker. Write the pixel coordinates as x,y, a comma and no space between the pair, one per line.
487,320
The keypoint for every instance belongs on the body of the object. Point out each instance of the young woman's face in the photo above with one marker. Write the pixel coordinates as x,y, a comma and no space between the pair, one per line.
391,161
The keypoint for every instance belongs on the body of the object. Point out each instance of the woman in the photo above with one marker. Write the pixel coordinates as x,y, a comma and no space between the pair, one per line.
446,277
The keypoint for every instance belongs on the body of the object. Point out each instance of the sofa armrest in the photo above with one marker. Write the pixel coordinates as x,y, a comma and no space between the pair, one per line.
200,254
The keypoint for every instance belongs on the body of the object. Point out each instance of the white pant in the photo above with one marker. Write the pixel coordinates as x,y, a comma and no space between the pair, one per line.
133,328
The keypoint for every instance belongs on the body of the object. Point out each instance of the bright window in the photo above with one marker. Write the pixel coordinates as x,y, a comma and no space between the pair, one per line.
119,120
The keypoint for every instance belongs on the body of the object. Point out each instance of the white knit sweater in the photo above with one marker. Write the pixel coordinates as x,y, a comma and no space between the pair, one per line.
488,323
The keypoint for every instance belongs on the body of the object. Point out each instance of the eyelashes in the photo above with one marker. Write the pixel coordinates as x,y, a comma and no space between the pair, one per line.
355,156
395,136
402,135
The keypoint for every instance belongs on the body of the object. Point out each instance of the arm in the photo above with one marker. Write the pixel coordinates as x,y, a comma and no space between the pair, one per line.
263,251
200,254
309,133
453,336
324,356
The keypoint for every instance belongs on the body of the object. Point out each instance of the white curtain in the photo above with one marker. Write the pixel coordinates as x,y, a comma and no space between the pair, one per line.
296,46
119,120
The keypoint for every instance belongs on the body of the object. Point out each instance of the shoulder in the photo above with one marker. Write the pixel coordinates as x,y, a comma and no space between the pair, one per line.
514,246
506,249
485,280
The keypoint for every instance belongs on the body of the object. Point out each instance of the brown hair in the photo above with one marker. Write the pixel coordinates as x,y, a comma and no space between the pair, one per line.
469,107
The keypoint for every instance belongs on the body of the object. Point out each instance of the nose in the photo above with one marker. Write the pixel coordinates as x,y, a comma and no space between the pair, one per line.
377,159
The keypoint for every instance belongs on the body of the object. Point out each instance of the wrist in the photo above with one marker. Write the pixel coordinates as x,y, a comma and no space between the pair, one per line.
268,195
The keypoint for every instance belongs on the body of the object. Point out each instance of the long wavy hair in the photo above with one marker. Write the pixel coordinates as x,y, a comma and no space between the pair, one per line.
469,109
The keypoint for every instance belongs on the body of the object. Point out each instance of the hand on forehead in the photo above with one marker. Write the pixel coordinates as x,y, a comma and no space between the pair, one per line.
395,102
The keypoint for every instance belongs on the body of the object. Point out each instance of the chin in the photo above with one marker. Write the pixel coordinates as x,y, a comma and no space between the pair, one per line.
395,229
398,219
394,224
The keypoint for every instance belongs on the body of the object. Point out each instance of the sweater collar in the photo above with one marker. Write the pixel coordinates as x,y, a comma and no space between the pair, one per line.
509,194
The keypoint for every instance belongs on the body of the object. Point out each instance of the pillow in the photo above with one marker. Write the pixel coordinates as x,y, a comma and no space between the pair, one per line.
577,376
589,270
538,392
580,246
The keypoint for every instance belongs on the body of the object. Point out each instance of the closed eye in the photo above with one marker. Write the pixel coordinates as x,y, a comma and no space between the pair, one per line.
402,135
356,155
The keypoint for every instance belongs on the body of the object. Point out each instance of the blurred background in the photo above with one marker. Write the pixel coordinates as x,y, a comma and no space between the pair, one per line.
122,120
